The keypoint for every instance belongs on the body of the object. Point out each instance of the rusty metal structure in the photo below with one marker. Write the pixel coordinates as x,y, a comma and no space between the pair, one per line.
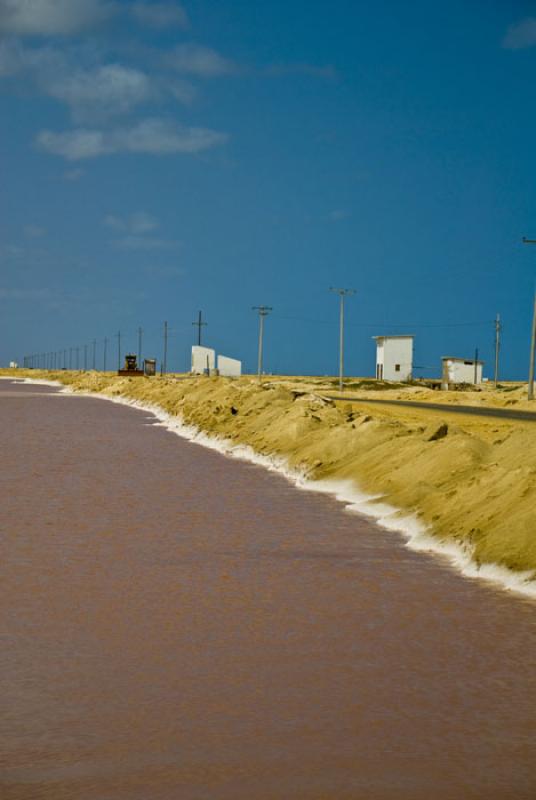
130,369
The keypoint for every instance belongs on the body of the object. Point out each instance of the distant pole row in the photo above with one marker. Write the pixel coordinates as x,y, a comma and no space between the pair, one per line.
69,358
58,359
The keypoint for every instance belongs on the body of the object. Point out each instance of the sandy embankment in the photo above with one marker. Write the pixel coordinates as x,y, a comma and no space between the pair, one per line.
476,484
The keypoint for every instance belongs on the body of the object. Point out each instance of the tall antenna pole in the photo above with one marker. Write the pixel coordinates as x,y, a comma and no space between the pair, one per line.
263,312
200,324
140,336
164,360
532,349
342,294
497,348
104,354
118,350
532,338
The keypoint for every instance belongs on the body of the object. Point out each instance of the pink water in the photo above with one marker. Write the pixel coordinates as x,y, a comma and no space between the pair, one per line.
182,626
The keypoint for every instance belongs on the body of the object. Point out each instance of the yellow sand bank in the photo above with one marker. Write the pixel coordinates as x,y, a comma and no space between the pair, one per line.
470,479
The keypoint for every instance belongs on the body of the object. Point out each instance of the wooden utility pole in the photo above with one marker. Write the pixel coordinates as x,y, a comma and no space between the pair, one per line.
342,294
263,312
200,324
497,347
532,337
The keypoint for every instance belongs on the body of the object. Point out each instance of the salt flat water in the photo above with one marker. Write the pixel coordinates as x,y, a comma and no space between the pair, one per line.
179,625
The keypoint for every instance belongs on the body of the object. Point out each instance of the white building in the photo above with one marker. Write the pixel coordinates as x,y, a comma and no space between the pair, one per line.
460,370
394,358
229,367
203,359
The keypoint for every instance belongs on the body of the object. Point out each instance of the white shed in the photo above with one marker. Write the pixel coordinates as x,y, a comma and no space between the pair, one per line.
203,359
229,367
394,358
460,370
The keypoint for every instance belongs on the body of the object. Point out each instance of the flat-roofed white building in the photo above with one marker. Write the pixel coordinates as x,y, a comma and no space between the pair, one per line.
460,370
229,367
203,359
394,358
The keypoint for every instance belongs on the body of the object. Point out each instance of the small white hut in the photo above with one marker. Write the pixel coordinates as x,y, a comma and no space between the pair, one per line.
394,358
203,360
229,367
460,370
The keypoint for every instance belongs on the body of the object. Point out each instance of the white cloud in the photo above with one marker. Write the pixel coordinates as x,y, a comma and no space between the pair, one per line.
139,223
160,15
75,145
202,61
102,92
521,35
52,17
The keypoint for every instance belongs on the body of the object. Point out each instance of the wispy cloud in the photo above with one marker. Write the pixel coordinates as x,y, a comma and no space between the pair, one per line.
39,61
73,174
34,231
138,223
338,214
520,35
151,136
163,271
52,17
136,228
201,61
145,243
106,91
7,293
160,15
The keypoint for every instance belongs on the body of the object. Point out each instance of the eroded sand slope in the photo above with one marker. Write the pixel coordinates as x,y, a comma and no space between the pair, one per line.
470,479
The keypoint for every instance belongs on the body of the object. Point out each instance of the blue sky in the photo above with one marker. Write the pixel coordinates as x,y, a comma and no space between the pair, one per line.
160,158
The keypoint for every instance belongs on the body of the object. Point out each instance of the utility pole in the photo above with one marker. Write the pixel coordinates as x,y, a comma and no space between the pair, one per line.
104,354
163,368
70,357
94,354
118,350
476,366
532,337
140,335
342,294
77,357
200,324
85,358
497,347
263,312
